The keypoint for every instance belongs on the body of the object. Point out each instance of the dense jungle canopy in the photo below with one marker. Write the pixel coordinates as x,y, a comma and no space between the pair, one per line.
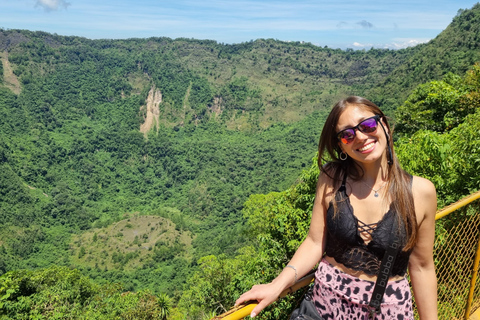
160,178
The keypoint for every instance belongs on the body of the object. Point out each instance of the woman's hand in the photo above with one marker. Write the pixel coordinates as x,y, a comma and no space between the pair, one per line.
264,294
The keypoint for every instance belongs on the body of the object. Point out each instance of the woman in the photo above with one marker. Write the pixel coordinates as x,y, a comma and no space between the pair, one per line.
364,201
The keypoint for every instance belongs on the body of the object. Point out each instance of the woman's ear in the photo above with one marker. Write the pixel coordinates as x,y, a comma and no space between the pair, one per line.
387,129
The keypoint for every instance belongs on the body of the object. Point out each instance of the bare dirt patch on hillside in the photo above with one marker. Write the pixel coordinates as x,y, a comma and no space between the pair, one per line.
10,79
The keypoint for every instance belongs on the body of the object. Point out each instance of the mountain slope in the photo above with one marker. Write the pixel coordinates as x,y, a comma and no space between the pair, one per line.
454,50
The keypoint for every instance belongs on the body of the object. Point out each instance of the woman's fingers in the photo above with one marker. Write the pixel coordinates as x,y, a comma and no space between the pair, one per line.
259,293
261,305
247,296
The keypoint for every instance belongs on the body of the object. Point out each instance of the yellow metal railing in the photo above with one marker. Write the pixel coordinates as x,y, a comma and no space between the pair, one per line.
457,259
457,254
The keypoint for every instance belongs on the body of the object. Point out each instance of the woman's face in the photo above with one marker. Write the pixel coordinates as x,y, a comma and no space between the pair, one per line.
365,147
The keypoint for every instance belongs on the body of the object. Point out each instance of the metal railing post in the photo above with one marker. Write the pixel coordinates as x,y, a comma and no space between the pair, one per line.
473,281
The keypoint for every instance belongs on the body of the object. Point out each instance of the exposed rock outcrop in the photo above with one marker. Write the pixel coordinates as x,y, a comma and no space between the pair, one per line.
152,114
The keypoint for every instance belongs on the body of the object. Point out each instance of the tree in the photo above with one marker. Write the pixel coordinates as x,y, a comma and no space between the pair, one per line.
440,105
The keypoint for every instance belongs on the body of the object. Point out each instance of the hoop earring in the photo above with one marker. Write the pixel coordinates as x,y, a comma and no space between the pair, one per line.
343,156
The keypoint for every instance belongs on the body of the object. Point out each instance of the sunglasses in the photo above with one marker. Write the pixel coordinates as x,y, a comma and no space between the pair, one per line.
368,125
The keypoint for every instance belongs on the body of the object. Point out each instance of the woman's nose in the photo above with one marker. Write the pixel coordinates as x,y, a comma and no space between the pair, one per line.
360,135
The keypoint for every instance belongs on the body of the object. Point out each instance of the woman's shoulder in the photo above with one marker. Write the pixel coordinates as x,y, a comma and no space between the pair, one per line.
424,196
330,174
423,186
328,181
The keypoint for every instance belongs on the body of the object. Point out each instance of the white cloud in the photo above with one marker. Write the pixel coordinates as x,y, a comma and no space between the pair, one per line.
360,45
52,5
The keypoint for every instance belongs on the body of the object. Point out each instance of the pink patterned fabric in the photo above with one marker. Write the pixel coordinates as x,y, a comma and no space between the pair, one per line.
340,296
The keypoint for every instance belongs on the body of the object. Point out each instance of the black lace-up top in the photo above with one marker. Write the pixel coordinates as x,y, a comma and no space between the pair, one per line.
346,246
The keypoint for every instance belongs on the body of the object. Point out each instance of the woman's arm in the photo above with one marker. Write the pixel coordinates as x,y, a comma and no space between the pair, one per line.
421,267
305,258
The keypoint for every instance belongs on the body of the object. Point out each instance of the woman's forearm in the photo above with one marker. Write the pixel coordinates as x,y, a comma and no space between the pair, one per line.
424,285
305,258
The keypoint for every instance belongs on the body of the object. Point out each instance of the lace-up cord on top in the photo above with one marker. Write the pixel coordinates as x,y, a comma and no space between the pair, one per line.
366,229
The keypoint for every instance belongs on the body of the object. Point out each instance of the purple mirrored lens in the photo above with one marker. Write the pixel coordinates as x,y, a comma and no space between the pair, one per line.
368,125
347,135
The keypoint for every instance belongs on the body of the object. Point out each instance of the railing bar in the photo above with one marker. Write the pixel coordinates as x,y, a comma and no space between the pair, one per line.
457,205
473,281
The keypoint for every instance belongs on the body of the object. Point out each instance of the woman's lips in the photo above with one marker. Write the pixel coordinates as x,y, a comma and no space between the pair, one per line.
367,147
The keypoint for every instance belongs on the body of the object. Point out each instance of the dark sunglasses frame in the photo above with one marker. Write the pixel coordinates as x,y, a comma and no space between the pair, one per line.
359,128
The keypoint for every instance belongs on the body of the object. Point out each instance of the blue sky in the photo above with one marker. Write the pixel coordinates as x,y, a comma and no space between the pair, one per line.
342,24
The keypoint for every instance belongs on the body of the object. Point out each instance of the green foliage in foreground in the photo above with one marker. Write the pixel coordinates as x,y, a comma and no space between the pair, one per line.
440,105
62,293
446,152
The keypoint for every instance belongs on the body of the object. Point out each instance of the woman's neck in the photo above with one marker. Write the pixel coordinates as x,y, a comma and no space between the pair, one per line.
375,172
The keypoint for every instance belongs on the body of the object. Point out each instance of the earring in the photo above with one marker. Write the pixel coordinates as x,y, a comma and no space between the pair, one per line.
343,156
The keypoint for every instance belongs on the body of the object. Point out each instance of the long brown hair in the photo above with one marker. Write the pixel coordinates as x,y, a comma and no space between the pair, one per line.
399,188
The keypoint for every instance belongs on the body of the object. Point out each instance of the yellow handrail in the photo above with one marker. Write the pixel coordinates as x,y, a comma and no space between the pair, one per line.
457,205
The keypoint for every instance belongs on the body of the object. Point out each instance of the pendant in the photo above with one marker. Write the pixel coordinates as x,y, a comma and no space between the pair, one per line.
376,194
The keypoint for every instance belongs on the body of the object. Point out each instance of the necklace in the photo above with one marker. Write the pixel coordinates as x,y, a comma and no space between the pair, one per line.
376,191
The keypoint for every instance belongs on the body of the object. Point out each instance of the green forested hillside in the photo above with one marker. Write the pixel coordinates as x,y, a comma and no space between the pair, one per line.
78,169
453,50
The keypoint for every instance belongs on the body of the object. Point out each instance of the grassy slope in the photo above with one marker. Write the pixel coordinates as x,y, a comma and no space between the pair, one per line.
135,235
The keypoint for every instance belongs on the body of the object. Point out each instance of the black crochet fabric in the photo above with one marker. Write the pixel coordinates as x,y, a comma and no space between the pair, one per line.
346,246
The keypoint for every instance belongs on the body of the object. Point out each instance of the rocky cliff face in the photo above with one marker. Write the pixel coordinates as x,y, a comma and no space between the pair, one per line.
151,110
